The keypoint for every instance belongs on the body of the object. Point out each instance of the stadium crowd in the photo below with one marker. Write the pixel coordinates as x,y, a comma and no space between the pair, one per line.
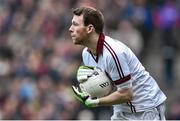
38,60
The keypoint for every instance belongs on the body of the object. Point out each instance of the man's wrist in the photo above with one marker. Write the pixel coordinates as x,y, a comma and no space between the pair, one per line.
96,102
92,102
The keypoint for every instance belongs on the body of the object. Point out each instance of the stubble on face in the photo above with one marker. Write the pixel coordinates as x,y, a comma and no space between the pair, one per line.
78,30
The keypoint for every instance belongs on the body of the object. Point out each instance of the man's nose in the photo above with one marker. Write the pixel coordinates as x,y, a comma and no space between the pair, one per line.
70,29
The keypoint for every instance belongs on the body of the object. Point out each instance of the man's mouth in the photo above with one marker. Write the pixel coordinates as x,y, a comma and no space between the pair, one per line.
72,36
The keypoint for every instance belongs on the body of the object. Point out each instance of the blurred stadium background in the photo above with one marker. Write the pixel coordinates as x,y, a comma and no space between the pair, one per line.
38,60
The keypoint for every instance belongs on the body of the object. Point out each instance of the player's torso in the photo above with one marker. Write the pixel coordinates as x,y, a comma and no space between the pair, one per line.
112,52
109,49
144,86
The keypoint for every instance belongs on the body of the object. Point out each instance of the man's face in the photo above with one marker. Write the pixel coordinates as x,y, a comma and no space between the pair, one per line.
78,30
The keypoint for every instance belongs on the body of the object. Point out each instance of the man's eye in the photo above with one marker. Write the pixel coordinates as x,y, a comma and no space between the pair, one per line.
75,24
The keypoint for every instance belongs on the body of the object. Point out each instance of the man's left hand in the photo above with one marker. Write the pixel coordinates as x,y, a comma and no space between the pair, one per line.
85,98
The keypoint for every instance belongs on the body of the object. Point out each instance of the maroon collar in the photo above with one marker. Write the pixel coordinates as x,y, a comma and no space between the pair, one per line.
100,43
99,47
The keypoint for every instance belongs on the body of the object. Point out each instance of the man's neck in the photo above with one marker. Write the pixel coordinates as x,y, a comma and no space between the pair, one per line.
92,43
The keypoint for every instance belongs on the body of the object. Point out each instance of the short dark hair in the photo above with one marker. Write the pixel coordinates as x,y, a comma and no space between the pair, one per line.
91,16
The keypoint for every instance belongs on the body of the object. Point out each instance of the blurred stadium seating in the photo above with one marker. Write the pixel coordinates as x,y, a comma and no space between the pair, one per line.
38,60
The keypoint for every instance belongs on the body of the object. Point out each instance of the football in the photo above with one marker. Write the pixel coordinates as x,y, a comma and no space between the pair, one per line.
97,85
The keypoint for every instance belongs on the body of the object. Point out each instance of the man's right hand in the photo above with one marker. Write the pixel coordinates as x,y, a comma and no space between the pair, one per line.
84,72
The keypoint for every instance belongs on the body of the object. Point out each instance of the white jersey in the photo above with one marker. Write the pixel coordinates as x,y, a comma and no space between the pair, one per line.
125,70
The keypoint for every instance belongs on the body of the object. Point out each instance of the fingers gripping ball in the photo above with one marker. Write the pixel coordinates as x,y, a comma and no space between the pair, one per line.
97,85
83,73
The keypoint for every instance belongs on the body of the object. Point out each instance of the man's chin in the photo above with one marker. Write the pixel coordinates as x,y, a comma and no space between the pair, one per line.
76,43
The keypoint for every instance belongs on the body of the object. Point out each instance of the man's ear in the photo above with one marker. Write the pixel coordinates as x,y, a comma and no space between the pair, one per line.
90,28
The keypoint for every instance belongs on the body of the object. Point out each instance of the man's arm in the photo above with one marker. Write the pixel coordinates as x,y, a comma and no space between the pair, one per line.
117,97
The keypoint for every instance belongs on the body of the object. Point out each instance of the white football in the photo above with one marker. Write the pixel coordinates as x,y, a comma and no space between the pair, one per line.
97,85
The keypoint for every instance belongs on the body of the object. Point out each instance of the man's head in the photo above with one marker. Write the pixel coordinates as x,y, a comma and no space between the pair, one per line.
86,20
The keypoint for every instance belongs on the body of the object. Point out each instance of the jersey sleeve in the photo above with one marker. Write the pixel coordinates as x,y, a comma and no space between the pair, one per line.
119,70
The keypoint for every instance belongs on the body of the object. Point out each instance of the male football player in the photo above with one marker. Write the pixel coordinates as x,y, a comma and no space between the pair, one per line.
137,95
